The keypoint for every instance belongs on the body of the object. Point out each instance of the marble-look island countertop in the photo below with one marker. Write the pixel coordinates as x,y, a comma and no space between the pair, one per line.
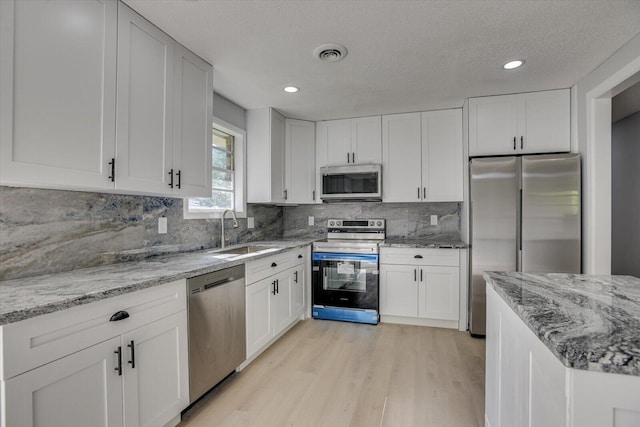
589,322
439,242
22,299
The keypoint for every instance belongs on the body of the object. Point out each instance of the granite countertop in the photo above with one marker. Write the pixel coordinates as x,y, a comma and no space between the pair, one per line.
589,322
440,242
22,299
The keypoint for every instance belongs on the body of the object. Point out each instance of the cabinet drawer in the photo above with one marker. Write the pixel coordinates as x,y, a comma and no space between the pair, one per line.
265,267
33,342
420,256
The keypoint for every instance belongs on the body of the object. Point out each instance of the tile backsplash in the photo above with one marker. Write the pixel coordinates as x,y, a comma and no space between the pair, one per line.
50,231
404,220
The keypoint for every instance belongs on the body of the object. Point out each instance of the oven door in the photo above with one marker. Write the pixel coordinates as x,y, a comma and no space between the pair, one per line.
345,280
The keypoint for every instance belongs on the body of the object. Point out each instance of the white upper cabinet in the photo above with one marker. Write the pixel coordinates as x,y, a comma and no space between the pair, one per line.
422,156
402,163
536,122
442,160
58,97
192,123
145,105
265,156
349,141
300,153
59,127
165,100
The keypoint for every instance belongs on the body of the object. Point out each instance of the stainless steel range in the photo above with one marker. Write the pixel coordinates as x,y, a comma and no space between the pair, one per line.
345,271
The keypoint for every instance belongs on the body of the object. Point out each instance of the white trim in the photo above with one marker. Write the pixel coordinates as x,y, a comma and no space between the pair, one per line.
240,152
596,91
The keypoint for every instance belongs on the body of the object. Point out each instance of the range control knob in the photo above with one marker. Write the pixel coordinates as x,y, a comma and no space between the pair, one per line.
331,223
339,223
379,223
372,223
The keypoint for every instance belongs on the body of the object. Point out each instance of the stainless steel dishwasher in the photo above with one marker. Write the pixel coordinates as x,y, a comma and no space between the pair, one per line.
217,344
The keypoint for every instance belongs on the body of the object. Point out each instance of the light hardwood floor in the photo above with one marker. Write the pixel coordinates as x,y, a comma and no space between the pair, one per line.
324,373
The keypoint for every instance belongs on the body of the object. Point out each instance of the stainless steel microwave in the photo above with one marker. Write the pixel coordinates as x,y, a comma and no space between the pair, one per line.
351,183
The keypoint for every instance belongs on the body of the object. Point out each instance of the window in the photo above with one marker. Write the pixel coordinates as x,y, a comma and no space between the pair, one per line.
227,167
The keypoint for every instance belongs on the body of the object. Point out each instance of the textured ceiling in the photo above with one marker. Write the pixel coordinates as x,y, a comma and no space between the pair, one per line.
403,55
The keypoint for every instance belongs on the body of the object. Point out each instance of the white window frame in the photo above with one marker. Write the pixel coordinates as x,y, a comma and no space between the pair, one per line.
240,161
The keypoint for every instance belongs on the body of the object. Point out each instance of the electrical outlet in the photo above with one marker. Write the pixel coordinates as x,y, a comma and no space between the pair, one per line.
312,220
250,222
434,219
162,225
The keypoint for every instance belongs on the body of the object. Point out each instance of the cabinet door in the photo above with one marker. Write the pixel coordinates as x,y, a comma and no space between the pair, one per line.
297,292
544,122
439,292
337,141
366,140
281,302
300,155
145,100
259,323
193,95
442,155
57,106
80,390
277,156
493,125
401,160
399,290
155,371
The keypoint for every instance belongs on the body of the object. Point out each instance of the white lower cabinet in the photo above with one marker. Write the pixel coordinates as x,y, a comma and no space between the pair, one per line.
420,284
297,291
80,390
134,373
154,371
527,385
275,299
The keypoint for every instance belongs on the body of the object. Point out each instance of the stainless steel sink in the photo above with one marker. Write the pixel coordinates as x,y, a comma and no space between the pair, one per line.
243,250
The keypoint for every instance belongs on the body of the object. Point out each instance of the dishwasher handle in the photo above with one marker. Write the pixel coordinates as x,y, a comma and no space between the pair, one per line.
219,282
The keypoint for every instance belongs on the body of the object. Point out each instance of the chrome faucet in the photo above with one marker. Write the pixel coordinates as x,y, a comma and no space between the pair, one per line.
235,224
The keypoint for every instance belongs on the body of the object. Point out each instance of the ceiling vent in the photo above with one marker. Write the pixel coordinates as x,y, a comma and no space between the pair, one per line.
331,52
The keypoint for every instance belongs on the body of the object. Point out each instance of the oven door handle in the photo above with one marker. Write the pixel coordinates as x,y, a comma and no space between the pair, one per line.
329,256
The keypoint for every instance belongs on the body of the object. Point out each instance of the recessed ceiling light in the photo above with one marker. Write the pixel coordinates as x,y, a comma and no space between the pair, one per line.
291,89
512,65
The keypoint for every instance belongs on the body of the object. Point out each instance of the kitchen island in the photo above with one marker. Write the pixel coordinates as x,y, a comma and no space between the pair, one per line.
562,350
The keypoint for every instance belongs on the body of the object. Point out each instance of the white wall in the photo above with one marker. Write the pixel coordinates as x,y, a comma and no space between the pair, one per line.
593,124
625,208
229,112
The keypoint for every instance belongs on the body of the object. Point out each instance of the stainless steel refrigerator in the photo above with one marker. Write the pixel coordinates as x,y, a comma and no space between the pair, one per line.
525,216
